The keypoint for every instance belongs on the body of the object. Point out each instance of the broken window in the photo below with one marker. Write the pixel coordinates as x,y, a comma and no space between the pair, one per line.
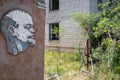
54,31
99,2
53,5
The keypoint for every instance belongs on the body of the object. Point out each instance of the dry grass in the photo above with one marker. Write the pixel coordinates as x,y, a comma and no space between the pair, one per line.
64,66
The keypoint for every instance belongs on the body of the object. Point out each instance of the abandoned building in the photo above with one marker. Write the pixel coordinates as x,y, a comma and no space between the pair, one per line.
58,18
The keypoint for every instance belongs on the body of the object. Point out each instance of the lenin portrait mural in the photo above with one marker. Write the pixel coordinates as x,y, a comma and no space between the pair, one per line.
17,27
22,30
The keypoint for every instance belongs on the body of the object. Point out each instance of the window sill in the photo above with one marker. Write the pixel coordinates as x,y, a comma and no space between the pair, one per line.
52,41
54,10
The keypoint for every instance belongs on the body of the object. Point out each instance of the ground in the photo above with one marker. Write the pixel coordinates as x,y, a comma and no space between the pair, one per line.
67,66
64,66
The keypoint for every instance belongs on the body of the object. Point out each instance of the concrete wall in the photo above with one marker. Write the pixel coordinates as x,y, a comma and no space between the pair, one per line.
28,65
93,6
72,35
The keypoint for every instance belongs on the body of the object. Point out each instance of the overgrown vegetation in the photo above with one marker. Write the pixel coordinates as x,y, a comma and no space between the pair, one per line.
103,33
56,63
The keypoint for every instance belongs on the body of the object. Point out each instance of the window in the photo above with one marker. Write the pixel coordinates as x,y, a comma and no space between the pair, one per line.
53,5
54,31
104,1
98,6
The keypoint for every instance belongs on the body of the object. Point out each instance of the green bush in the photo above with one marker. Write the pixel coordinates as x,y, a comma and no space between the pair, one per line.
117,70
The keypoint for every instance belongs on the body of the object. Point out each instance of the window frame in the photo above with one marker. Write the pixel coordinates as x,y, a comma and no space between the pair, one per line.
51,5
51,25
98,3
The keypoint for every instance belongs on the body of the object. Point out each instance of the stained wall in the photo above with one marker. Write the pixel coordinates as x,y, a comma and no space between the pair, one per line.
27,65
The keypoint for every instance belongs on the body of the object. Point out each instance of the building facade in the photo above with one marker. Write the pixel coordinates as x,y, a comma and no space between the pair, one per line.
58,17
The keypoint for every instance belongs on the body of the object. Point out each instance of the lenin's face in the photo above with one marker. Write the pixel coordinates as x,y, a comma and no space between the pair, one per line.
23,29
17,26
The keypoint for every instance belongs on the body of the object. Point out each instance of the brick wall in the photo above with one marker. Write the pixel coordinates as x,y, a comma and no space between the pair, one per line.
72,35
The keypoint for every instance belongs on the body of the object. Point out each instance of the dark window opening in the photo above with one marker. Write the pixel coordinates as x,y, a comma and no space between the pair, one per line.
54,4
99,2
54,31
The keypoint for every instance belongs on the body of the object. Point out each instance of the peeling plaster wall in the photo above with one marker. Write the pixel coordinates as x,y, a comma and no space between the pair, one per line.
28,65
